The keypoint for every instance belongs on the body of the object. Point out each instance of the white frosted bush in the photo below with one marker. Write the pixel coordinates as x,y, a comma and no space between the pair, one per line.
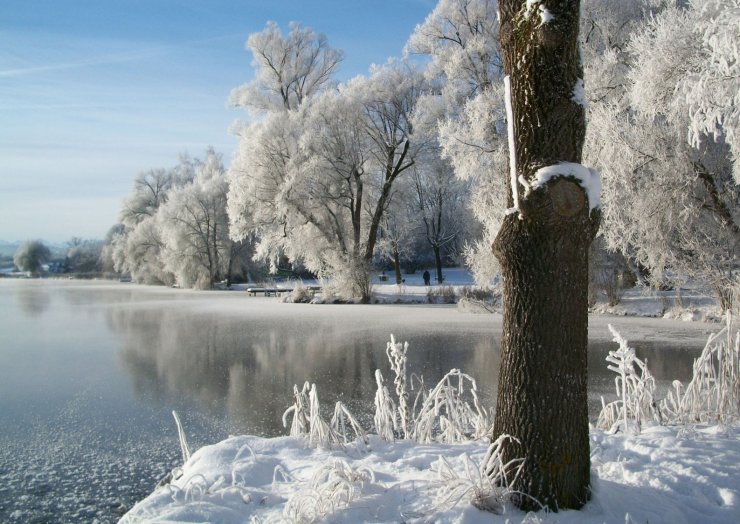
485,485
635,387
300,409
385,410
332,486
396,353
447,416
343,421
713,395
307,421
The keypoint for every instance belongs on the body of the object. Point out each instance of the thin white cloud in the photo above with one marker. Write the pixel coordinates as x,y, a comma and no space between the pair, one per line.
88,62
113,58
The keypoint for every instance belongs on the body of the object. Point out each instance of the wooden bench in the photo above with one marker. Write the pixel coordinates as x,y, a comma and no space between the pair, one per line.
267,291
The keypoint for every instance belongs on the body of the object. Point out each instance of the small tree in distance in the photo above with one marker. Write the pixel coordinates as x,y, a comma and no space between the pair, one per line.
31,255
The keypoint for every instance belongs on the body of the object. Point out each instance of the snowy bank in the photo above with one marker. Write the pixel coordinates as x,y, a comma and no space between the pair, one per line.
666,474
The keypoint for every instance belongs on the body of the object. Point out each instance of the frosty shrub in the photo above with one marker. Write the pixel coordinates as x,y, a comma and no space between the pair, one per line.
481,294
300,409
713,395
442,295
343,421
608,272
635,388
449,412
300,293
485,485
332,486
307,421
350,280
385,410
611,281
446,414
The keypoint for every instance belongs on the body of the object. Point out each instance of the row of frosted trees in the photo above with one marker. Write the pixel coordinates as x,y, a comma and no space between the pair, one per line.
174,228
334,175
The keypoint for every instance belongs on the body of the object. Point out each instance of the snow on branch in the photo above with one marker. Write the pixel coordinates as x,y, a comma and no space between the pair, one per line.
512,144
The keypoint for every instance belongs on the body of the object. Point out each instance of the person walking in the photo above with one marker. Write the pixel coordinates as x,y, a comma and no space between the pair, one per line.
427,277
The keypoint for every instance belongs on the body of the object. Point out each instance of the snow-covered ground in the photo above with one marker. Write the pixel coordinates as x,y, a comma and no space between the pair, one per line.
688,303
664,475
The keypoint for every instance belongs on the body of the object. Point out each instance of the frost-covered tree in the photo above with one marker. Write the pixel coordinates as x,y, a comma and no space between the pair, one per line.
137,251
670,195
141,254
150,191
290,69
543,247
185,241
467,114
84,255
440,204
110,245
195,227
30,255
399,229
388,99
314,177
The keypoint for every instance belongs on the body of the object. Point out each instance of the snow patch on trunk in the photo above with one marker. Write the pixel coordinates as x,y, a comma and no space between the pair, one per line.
587,178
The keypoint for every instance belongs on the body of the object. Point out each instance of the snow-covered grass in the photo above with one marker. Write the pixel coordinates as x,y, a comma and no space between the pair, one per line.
672,474
712,396
663,475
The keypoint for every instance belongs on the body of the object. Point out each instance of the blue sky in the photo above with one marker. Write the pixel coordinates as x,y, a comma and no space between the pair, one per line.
93,92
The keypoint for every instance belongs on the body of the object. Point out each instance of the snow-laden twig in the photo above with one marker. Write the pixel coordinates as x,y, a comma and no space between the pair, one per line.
183,441
635,388
300,423
488,484
333,486
446,409
396,353
343,421
713,395
385,410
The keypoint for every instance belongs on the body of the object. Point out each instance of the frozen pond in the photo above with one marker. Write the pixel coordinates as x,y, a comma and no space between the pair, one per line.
90,372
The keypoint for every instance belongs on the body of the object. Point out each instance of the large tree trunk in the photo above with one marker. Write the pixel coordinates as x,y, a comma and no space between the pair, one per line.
543,250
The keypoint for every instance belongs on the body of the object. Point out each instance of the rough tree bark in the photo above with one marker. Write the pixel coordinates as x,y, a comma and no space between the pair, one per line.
543,250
